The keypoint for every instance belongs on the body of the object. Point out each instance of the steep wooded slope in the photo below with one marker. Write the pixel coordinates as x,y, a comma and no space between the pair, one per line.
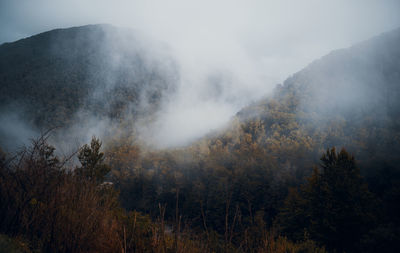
350,98
98,68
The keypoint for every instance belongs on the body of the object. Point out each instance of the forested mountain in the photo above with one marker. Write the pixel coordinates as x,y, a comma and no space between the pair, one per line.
97,70
272,181
348,98
233,180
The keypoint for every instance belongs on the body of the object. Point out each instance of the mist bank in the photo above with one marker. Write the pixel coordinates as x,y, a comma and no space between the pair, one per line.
95,79
119,83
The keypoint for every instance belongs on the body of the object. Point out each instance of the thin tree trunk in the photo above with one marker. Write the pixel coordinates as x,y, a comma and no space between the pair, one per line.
177,225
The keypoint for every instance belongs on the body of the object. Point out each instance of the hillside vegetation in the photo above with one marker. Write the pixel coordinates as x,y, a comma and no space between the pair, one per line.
272,181
68,76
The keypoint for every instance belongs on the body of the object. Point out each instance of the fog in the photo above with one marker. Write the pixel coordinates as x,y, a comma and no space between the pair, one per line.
15,132
228,53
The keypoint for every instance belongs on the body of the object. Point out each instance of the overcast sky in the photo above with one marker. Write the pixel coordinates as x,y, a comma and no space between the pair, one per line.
259,43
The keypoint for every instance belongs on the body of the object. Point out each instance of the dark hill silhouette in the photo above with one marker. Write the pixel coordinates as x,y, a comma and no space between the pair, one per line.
99,68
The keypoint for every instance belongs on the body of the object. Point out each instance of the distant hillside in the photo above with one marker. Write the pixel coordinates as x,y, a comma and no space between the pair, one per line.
349,98
100,69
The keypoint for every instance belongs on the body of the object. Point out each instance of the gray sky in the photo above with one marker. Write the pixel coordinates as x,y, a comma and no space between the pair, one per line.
264,29
257,43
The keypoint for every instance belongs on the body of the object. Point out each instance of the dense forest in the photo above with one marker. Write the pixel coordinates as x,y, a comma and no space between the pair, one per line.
312,167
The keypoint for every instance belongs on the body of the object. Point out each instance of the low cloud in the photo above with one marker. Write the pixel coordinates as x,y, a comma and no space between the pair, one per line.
228,53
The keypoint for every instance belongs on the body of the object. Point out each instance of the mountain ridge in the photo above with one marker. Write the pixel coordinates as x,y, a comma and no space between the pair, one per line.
100,70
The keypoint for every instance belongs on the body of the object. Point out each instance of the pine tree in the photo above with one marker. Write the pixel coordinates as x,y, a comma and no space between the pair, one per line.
334,207
92,160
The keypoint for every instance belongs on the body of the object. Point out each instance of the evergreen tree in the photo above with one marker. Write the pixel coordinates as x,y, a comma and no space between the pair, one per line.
92,160
334,207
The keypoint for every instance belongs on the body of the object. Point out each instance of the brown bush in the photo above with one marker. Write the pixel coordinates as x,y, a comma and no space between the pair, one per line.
42,200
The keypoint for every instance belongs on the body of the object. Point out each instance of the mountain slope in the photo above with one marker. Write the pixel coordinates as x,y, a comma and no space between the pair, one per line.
349,98
80,65
99,70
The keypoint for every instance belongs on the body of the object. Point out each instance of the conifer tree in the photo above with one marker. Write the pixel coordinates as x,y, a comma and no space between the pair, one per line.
92,160
334,207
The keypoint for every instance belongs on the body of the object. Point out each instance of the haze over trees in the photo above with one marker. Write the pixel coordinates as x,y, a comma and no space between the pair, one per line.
87,77
270,181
